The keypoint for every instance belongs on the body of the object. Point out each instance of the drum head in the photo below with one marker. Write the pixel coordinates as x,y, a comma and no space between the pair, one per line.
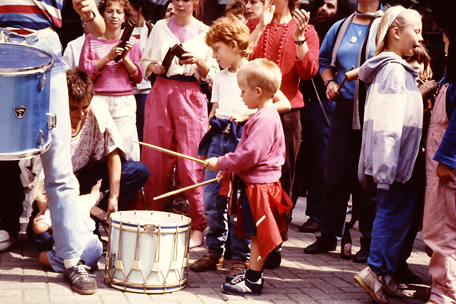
21,59
164,219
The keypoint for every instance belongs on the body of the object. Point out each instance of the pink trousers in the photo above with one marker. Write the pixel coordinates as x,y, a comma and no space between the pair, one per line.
439,223
175,119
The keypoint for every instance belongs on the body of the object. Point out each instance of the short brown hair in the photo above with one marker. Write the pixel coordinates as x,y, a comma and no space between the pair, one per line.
229,29
261,73
236,7
80,86
104,3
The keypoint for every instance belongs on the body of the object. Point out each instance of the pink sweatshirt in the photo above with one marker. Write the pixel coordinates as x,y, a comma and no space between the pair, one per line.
113,79
260,154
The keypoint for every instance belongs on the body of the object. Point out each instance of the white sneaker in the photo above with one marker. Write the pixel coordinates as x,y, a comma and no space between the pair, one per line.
371,283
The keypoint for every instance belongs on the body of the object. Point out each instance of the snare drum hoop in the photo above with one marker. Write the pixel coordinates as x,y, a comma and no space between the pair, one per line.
13,72
135,227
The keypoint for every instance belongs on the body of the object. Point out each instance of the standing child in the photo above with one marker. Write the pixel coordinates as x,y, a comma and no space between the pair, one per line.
257,161
230,41
391,140
439,228
113,81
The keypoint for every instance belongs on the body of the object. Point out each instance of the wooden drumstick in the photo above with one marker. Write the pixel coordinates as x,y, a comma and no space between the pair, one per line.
346,78
171,152
185,189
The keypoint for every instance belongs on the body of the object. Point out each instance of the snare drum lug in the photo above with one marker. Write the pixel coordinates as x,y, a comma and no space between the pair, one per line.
52,120
149,228
43,141
43,82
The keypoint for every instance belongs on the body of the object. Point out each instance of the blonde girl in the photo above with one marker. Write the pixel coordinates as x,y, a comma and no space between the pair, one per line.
113,80
176,109
390,144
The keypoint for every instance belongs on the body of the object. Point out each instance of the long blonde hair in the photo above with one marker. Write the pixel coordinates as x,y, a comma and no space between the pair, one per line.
395,16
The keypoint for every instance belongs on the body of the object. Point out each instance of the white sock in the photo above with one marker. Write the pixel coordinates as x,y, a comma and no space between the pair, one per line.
68,263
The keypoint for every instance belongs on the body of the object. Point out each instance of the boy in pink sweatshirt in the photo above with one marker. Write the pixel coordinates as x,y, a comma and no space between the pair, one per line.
257,161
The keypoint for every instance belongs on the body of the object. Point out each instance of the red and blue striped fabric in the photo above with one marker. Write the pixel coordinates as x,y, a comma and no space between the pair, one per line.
31,15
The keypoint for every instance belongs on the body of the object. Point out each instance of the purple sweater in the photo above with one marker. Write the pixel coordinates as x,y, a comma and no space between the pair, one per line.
260,154
113,79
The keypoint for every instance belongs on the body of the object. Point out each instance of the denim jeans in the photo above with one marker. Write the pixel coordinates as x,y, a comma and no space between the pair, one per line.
341,180
133,176
59,183
393,223
215,206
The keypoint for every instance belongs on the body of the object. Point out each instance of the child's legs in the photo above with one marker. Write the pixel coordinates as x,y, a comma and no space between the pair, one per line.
159,131
123,112
442,267
189,111
392,222
255,263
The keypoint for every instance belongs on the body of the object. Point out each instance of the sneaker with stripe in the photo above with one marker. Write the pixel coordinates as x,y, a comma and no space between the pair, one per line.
240,285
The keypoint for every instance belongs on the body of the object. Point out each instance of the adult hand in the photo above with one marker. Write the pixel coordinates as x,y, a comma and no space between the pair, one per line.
84,8
301,17
332,91
127,48
219,176
267,13
212,164
190,58
112,207
114,52
156,68
445,173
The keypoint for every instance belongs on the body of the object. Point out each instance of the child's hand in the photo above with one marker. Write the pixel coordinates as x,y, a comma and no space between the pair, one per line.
212,164
156,68
219,176
445,173
96,190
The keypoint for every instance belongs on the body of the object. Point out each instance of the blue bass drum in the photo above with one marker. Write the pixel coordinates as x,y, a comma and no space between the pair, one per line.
25,123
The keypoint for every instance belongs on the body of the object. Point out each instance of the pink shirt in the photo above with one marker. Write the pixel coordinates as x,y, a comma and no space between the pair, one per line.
113,79
260,154
184,33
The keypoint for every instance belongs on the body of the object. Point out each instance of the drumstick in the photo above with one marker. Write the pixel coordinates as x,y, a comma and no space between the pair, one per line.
171,152
185,189
345,79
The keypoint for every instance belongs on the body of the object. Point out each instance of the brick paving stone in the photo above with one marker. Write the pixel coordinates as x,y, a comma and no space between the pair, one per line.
302,278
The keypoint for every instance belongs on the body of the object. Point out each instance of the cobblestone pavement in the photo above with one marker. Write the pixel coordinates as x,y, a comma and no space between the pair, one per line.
302,278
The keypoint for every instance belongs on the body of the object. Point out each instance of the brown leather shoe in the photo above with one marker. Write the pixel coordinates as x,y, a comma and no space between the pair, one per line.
239,267
310,226
209,261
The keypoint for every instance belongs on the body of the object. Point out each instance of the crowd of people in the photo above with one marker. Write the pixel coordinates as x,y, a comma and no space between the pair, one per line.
279,120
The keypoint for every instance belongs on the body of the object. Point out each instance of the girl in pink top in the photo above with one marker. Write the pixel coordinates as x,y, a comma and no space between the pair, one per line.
113,80
176,109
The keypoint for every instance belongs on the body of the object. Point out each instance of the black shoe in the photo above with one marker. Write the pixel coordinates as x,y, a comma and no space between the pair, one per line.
408,277
80,280
310,226
362,255
321,246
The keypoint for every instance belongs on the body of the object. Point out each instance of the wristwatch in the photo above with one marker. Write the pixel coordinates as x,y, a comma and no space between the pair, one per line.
301,42
328,81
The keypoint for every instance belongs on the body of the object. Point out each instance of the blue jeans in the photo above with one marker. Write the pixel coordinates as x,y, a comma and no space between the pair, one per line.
216,206
393,223
59,183
341,178
133,176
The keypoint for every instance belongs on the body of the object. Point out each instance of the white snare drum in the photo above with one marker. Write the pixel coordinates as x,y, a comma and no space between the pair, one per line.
148,251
